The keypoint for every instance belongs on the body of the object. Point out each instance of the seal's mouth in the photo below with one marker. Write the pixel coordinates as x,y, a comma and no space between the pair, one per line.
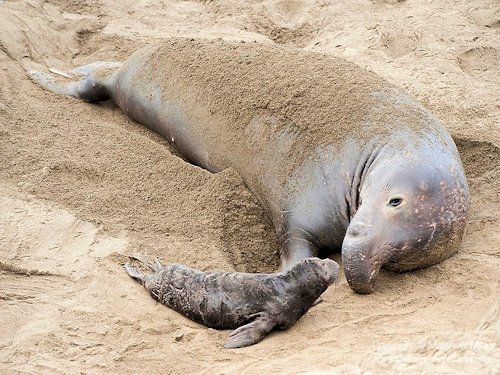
361,282
362,264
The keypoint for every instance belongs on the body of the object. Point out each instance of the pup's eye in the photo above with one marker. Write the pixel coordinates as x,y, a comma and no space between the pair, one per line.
394,202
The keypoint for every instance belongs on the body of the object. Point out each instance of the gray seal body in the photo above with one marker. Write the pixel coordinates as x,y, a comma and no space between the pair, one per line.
252,304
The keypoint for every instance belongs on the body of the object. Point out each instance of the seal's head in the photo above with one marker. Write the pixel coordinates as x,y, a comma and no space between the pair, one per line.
411,215
326,269
329,270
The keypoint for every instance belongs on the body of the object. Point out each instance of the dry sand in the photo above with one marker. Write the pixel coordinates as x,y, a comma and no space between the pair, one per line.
82,186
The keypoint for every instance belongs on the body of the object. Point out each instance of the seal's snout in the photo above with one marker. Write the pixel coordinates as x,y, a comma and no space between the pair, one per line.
361,263
362,286
357,230
330,270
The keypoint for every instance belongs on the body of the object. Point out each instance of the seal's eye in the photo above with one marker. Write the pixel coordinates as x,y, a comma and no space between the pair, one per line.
394,202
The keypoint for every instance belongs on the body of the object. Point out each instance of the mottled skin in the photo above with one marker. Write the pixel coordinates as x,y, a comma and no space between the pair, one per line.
252,304
379,179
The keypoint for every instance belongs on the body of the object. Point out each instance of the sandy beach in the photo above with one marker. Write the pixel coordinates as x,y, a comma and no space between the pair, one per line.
82,186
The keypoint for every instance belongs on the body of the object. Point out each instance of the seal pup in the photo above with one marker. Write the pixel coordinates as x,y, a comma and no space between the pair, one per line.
253,304
339,158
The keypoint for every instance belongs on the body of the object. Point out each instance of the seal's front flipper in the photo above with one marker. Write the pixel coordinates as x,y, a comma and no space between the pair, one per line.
297,245
250,333
90,82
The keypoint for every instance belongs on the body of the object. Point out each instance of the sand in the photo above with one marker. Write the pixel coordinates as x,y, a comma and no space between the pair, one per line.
82,186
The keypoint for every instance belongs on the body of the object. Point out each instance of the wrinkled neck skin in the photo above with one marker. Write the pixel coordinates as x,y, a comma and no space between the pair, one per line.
346,204
324,198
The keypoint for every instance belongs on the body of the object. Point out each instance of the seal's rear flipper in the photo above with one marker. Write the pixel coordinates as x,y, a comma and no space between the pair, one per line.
133,273
50,82
154,266
250,333
89,82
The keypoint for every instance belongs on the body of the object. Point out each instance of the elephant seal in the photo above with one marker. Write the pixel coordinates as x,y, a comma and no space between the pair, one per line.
251,304
340,158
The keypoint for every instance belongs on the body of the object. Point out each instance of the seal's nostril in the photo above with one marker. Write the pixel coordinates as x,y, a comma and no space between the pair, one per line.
356,230
353,233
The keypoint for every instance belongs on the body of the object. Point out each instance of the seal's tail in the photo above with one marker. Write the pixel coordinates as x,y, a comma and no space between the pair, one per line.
154,265
133,273
90,82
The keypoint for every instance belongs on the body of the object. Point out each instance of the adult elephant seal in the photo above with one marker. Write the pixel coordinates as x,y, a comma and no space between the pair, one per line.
340,158
252,304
